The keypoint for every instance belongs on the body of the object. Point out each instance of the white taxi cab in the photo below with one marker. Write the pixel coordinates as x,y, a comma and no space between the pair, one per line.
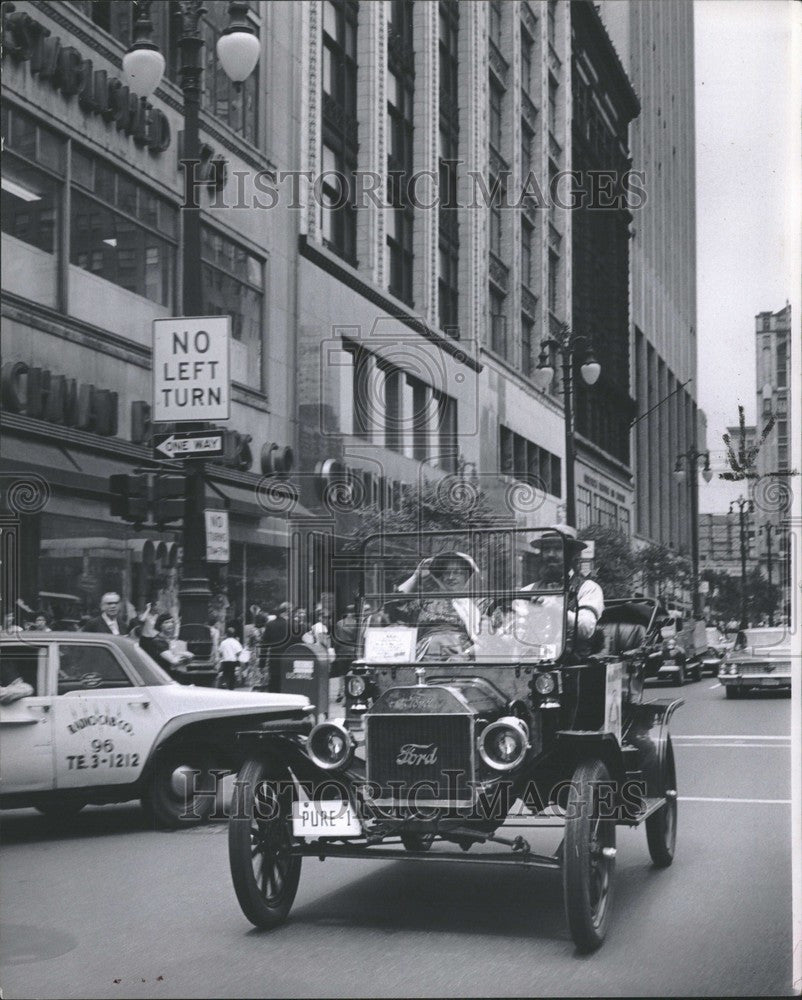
91,718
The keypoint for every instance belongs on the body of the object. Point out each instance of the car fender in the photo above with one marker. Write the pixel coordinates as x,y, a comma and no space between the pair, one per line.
581,745
648,731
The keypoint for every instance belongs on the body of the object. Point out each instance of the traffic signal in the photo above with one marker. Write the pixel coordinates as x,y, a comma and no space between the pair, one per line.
168,499
130,497
237,450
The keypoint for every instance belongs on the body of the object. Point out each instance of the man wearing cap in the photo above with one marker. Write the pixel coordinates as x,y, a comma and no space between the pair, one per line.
560,558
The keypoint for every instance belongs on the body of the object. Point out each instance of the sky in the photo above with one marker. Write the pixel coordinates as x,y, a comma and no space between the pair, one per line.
747,168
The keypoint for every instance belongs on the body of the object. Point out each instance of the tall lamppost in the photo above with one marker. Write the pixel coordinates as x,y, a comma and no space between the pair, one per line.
143,65
769,528
567,346
745,508
690,458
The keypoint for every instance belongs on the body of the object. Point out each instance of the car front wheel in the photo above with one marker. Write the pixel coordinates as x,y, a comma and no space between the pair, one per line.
264,870
589,855
182,787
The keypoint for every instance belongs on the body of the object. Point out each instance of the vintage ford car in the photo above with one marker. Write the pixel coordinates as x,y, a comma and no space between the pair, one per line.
761,658
475,716
104,723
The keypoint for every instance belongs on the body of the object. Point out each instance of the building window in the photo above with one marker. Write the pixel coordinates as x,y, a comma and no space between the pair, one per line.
362,400
552,22
340,135
121,230
523,459
606,512
782,364
233,285
400,98
498,323
583,508
526,150
527,48
495,22
527,331
624,520
526,254
552,105
31,209
495,228
448,237
554,269
496,99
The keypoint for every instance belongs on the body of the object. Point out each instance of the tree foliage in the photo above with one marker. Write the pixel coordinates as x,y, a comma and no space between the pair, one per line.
615,566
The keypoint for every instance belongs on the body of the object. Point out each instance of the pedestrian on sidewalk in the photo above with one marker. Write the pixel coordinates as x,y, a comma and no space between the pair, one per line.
230,649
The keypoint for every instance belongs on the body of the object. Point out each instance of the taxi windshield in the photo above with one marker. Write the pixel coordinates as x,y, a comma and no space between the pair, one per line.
476,596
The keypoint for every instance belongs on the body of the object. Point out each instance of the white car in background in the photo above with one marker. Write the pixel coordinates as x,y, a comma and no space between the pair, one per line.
100,721
761,658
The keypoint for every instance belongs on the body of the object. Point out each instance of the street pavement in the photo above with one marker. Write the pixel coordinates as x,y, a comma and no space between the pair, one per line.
102,906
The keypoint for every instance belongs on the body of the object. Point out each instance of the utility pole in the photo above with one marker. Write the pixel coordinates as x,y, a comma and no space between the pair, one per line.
745,507
691,459
769,527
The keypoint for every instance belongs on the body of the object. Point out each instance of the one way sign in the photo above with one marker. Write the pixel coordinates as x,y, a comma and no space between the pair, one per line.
189,444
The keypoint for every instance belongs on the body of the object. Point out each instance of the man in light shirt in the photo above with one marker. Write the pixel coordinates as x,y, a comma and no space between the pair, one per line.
107,621
230,649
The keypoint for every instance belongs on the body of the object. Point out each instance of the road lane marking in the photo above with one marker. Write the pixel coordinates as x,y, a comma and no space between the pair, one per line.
728,736
731,746
714,686
751,802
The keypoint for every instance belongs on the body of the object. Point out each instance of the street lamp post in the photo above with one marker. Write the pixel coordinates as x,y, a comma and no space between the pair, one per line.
769,528
745,508
567,346
143,65
691,459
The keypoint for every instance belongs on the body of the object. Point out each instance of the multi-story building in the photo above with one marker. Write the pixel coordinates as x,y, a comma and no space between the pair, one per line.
773,461
655,42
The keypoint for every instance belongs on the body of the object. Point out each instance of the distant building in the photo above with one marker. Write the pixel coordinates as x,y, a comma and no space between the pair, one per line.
656,44
720,543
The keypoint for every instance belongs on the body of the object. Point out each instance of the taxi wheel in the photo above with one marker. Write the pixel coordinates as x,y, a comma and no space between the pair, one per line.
589,855
181,790
264,871
661,826
732,692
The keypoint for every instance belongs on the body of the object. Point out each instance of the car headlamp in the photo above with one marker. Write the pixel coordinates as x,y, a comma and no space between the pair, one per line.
330,746
545,683
503,744
356,686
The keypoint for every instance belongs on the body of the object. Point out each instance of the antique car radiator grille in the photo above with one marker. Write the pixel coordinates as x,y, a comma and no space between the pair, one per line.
414,752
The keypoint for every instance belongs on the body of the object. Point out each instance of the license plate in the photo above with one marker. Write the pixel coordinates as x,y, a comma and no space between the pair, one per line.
332,818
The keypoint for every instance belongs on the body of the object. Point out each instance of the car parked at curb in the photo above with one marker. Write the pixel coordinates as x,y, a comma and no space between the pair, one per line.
91,718
760,659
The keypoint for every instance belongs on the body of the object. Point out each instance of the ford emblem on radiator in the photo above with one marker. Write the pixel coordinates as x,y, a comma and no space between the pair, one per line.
417,753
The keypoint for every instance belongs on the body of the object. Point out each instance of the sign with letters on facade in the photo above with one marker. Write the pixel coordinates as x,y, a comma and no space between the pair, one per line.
191,369
217,538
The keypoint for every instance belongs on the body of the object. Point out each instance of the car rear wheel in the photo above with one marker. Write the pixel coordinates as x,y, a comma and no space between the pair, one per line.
182,787
661,826
733,692
264,870
589,855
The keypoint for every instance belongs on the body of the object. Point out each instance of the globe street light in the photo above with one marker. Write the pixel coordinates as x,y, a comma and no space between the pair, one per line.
568,346
143,65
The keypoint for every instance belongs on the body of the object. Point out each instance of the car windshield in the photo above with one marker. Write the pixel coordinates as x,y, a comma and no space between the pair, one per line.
481,596
763,638
148,669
